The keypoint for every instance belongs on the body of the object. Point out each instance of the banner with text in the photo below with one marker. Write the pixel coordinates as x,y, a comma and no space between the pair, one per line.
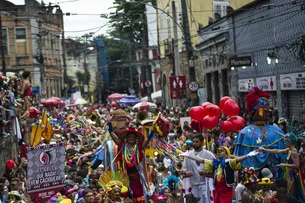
46,170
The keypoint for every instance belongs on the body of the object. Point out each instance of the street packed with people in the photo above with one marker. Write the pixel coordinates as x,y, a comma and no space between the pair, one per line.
143,153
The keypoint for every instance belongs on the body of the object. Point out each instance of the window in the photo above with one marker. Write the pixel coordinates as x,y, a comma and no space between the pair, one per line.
20,33
5,40
220,7
21,42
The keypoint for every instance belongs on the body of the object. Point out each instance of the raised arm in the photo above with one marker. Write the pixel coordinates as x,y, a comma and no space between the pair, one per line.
147,140
114,137
195,158
275,151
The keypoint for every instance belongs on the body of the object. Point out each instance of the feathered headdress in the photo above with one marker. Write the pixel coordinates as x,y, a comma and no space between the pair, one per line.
295,132
112,179
254,94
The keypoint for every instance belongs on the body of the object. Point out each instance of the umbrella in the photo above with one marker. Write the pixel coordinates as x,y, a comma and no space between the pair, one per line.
50,102
144,106
79,101
115,96
129,100
34,112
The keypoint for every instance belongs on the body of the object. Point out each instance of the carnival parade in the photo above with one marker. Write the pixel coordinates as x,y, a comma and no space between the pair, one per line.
152,101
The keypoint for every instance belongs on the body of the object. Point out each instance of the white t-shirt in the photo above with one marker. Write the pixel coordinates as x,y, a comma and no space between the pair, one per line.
238,191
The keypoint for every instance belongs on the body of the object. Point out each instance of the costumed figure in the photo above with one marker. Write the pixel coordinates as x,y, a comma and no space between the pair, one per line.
259,133
222,170
294,172
119,122
132,145
115,186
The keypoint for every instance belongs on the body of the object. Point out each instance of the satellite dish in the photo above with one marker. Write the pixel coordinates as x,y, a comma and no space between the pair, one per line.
217,16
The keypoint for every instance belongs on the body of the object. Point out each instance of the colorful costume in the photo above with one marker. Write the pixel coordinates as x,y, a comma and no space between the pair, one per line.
131,163
259,133
223,177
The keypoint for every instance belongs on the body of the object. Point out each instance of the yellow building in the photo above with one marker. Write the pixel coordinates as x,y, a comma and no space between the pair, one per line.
32,42
200,14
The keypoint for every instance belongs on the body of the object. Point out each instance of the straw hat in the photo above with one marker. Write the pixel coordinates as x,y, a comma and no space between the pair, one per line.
15,194
124,133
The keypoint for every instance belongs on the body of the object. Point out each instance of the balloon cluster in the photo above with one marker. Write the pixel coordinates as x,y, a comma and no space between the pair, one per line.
207,116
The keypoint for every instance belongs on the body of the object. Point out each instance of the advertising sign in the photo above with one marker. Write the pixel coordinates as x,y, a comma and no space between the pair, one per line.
46,170
244,85
267,83
293,81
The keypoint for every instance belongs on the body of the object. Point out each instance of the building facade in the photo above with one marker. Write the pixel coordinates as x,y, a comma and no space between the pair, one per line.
271,34
79,55
170,26
32,37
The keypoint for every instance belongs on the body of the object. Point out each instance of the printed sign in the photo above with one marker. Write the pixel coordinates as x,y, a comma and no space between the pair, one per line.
46,170
267,83
244,85
293,81
240,61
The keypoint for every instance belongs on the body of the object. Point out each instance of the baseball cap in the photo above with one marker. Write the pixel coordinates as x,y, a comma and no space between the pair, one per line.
266,173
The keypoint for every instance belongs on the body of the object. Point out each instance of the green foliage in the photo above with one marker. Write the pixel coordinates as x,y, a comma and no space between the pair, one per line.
128,20
70,82
80,76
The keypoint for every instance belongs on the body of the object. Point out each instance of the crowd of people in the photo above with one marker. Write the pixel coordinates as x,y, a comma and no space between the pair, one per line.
118,154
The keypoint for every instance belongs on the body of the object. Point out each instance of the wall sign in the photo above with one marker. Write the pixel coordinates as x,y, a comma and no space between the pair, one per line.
244,85
293,81
267,83
240,61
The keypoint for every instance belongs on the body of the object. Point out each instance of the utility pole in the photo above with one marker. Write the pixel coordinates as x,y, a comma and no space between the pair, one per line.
2,48
147,67
65,65
188,44
176,46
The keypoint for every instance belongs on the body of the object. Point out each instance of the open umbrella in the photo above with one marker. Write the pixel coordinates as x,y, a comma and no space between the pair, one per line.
79,101
144,106
130,100
115,96
50,102
34,112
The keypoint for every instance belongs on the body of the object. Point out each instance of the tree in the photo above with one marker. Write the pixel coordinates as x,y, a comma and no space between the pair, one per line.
128,21
80,79
70,82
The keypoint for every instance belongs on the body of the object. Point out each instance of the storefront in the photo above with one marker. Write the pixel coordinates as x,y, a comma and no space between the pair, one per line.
293,87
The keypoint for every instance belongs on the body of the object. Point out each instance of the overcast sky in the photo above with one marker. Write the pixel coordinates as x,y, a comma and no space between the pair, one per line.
81,22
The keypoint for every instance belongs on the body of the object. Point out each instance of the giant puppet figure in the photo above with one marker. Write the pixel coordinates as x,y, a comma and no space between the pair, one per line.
259,133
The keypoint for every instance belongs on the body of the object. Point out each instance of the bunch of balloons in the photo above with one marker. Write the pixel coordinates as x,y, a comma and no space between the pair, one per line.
207,116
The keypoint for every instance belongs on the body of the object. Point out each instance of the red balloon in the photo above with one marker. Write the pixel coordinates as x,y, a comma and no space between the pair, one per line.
197,112
226,126
237,123
205,104
213,110
209,122
230,108
113,104
223,101
196,125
